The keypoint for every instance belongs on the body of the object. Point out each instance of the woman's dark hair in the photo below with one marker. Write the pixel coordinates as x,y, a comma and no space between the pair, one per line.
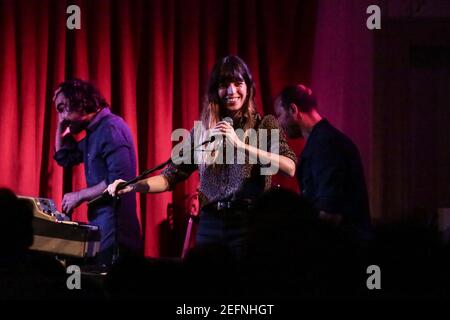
82,96
228,69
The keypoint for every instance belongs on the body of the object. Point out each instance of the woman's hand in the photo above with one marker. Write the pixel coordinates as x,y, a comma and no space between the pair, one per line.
111,189
224,128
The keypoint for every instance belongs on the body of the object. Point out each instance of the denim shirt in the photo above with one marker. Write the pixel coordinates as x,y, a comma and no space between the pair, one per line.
107,152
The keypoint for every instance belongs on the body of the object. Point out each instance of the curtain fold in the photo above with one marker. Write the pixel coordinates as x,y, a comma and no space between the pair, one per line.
151,60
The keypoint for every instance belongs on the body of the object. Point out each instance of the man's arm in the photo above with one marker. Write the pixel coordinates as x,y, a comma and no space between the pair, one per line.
74,199
332,218
67,153
328,171
59,131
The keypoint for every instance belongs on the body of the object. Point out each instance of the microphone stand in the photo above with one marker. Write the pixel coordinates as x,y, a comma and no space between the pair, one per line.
116,200
106,197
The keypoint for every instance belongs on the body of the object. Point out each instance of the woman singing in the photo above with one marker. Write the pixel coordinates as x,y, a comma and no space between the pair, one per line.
228,187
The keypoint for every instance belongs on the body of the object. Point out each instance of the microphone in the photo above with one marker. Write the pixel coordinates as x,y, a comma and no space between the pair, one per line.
211,139
229,120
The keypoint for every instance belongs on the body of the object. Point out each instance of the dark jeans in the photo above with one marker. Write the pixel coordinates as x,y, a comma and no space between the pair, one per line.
225,227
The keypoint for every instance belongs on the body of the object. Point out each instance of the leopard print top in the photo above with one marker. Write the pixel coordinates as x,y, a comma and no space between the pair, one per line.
237,181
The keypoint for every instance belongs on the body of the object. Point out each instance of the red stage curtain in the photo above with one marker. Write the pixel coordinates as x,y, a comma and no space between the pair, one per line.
151,60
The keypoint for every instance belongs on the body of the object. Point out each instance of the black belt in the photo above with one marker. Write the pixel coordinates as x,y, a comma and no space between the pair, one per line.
245,204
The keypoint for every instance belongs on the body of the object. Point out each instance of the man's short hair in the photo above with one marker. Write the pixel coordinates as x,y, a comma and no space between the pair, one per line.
82,96
300,95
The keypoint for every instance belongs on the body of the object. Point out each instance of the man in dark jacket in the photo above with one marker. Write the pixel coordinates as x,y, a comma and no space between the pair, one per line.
329,172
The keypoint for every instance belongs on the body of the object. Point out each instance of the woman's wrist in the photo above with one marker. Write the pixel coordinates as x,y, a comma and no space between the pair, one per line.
240,144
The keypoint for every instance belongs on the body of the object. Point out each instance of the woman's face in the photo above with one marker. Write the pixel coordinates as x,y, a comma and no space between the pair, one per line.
232,95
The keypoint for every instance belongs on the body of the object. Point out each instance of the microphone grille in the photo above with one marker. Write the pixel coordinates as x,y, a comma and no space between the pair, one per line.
229,120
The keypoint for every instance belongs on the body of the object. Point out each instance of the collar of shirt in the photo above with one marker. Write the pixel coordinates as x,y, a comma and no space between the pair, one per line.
98,118
313,136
